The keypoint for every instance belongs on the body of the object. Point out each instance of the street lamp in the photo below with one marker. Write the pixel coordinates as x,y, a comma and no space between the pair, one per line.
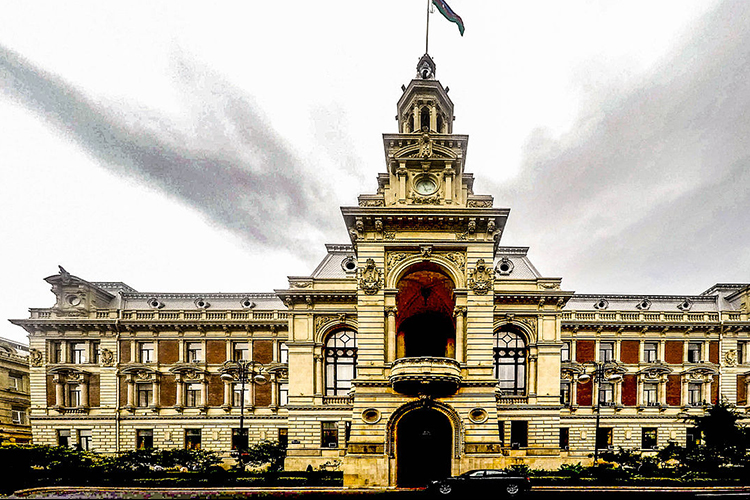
603,371
243,371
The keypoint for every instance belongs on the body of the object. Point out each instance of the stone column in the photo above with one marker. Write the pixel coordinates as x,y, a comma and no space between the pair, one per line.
391,333
417,118
460,313
204,392
573,392
131,390
59,391
274,391
433,118
318,374
228,400
532,375
662,390
84,392
178,400
401,174
683,390
155,392
448,176
639,391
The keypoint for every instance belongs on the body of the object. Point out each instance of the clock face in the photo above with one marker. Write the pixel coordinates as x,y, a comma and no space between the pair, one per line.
425,185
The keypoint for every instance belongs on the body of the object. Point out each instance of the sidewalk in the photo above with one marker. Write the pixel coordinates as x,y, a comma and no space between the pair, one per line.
390,493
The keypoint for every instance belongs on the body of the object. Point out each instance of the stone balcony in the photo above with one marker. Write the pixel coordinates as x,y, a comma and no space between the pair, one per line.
425,375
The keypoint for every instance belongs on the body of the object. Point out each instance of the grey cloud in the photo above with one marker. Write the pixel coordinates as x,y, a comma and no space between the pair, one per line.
232,168
650,185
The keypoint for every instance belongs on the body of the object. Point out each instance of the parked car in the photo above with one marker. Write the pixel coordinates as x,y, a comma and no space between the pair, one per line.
508,482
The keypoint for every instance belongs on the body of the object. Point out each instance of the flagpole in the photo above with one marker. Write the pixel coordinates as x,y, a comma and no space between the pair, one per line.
427,31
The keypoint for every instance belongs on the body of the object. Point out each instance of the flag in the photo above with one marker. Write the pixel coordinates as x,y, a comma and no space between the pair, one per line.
448,13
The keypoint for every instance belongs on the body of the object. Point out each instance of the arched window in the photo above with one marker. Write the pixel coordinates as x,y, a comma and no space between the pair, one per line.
424,118
340,362
510,362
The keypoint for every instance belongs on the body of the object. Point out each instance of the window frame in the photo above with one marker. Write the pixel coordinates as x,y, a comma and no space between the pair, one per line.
146,354
193,438
649,438
193,392
337,356
606,351
78,353
694,350
565,352
144,388
329,434
85,439
507,355
648,388
647,358
194,352
144,439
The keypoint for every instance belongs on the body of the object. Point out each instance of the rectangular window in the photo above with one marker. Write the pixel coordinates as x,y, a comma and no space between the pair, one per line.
650,397
240,351
565,393
694,352
146,352
239,439
329,434
18,416
606,351
519,434
57,352
74,395
16,382
564,438
283,394
192,394
95,352
145,395
63,437
741,353
194,352
192,439
565,352
501,432
283,353
695,396
693,437
649,352
237,395
606,394
648,438
84,439
283,437
604,438
78,353
144,438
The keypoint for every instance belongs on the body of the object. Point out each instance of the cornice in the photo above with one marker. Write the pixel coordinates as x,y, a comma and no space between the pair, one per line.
214,295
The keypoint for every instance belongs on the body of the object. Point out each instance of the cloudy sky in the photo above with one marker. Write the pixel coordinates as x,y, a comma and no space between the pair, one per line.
182,146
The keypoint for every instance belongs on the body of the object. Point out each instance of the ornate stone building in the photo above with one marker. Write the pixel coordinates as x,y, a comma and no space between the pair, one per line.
423,347
14,392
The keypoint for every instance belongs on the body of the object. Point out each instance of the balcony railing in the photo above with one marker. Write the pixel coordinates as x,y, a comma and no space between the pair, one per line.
425,375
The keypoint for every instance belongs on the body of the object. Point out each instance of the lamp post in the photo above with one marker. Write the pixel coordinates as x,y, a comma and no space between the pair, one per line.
243,371
603,371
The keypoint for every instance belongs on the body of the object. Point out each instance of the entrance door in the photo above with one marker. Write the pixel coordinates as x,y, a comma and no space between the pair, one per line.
423,447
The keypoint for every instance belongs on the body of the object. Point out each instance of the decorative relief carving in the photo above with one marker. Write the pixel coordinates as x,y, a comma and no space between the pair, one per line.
460,311
425,146
371,203
301,284
462,236
730,358
391,310
107,357
529,321
389,235
379,225
427,200
35,357
426,251
322,320
548,286
457,258
480,203
370,278
481,278
472,226
395,258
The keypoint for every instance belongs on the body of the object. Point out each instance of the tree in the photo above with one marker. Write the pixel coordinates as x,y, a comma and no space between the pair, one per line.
724,438
266,452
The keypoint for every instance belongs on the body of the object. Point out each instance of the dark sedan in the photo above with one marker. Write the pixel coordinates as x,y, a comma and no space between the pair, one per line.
507,482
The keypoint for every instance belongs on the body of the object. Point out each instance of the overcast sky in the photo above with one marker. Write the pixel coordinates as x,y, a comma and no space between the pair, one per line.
182,146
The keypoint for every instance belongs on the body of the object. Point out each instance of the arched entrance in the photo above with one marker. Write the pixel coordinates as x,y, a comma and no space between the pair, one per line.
424,439
425,304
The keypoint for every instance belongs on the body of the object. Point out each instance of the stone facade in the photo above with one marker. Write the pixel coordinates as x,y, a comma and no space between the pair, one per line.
422,347
14,392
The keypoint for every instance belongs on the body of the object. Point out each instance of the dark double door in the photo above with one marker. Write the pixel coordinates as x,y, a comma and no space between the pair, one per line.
423,447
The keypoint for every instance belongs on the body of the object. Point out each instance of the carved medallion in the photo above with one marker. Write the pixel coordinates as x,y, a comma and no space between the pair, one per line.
370,278
481,278
35,357
107,357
